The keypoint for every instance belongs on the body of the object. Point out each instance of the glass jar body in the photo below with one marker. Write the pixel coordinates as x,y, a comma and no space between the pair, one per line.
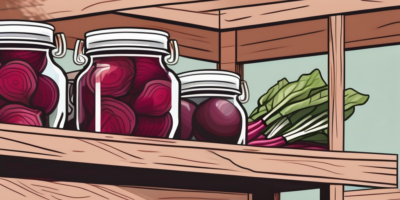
32,87
212,117
130,94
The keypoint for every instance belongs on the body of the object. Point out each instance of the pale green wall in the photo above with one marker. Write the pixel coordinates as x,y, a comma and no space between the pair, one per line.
370,71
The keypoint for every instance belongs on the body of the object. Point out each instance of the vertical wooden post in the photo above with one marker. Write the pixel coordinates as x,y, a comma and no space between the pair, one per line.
336,96
264,195
228,52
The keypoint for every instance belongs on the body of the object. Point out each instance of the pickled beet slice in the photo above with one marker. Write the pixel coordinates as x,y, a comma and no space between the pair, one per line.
155,99
116,117
147,69
114,74
217,120
187,110
2,102
153,126
36,59
19,114
46,95
17,81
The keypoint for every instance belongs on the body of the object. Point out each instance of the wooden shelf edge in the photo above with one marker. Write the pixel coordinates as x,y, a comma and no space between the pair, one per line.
373,194
131,153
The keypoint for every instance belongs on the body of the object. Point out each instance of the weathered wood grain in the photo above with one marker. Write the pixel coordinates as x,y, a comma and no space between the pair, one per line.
16,189
54,9
336,35
382,28
218,159
295,10
206,19
285,40
373,194
309,37
228,53
193,42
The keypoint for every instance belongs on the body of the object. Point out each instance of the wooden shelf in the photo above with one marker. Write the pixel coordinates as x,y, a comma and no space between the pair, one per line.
129,156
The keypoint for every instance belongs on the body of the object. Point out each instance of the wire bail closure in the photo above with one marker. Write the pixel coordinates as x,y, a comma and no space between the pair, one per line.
173,58
79,53
61,46
245,96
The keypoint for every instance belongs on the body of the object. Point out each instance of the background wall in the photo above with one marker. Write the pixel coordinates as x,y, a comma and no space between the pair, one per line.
371,71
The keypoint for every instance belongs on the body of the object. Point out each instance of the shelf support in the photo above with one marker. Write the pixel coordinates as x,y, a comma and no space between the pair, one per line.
336,96
228,53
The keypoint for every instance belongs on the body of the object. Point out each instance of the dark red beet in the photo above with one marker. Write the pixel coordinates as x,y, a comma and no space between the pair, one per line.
86,106
46,95
2,102
116,117
114,75
217,120
153,126
155,99
187,110
147,69
17,81
19,114
36,59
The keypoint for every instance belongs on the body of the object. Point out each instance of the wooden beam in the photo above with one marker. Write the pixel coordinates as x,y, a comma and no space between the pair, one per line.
16,189
336,92
131,152
54,9
373,194
309,37
228,53
295,10
193,42
206,19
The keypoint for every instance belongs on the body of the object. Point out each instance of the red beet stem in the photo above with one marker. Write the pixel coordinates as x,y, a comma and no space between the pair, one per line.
275,142
254,129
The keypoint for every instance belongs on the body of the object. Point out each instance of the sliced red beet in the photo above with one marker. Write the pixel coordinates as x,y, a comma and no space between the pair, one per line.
114,74
217,120
147,69
2,102
17,81
36,59
46,95
19,114
116,117
86,107
153,126
155,99
187,110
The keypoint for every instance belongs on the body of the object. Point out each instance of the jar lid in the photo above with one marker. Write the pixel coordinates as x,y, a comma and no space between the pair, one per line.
209,80
127,38
26,32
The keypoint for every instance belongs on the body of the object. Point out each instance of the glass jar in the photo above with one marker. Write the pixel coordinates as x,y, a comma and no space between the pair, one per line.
32,86
211,108
126,86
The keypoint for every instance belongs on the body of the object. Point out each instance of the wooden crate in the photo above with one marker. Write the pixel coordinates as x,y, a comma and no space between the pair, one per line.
229,33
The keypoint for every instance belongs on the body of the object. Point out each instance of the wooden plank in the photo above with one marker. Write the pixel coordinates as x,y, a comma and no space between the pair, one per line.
336,92
228,53
382,28
16,189
285,40
309,37
295,10
336,82
54,9
373,194
206,19
193,42
218,159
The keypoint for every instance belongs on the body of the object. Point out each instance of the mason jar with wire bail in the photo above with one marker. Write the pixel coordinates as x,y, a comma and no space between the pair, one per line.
211,107
32,86
126,86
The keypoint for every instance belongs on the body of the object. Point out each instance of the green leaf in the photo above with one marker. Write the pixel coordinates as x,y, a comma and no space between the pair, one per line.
320,138
294,92
354,98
